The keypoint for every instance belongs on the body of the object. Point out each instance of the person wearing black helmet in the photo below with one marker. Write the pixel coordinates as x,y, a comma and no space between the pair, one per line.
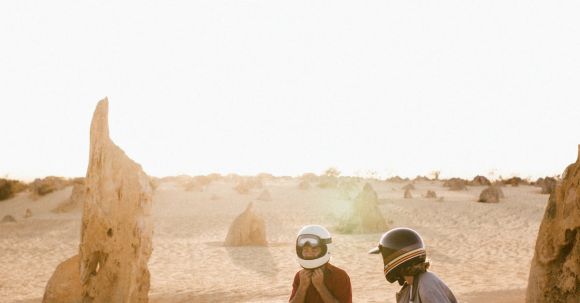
405,261
318,281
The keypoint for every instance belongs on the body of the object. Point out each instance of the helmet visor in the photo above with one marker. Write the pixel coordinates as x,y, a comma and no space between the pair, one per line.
312,241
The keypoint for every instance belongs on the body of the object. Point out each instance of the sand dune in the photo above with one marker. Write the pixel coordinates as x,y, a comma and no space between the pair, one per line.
479,249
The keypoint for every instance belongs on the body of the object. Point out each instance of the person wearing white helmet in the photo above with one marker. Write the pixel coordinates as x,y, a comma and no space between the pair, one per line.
318,281
406,262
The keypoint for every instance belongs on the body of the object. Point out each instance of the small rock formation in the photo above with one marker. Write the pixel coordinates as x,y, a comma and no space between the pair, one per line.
480,181
409,186
491,194
8,219
304,185
515,181
431,195
248,229
366,216
116,228
75,201
64,285
408,194
455,184
214,197
27,213
555,269
265,196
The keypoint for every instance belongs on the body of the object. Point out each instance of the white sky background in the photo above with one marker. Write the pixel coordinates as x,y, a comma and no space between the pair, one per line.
395,87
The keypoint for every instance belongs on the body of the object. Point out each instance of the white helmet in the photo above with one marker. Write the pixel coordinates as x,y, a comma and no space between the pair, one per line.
314,236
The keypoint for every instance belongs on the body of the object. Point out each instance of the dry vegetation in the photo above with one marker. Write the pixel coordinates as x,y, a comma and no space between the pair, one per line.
8,188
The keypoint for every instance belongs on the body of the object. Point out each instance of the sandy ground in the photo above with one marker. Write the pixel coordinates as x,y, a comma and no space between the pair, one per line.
482,251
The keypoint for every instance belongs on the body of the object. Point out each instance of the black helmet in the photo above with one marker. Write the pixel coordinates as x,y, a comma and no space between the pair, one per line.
400,247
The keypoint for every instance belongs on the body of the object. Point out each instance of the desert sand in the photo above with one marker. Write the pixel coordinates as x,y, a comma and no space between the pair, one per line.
481,250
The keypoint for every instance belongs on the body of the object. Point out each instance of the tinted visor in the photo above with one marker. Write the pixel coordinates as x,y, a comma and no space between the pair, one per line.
312,241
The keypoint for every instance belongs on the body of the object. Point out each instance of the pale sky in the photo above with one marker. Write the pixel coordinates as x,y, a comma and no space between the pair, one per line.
287,87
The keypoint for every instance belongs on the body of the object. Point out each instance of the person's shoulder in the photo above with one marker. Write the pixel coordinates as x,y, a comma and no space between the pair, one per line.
429,278
335,269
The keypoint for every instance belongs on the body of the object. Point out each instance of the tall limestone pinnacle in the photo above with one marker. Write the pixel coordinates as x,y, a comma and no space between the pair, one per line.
555,269
116,229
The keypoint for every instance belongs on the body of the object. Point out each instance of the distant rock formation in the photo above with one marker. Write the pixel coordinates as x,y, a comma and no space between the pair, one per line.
27,213
408,194
515,181
75,201
265,196
455,184
248,229
8,219
116,228
491,194
366,216
64,286
431,195
304,185
555,269
409,186
480,181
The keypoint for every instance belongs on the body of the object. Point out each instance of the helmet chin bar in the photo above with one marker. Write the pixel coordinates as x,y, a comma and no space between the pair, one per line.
312,264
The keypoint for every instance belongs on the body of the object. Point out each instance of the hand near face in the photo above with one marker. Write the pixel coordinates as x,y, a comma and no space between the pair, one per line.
305,278
318,278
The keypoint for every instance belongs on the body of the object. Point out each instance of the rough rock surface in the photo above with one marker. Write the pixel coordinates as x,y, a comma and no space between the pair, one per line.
64,285
116,225
431,195
247,229
408,194
116,228
490,195
555,269
366,216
